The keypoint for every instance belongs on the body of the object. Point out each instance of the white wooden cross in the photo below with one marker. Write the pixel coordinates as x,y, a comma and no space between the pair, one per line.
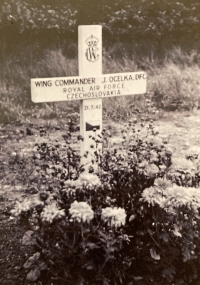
90,86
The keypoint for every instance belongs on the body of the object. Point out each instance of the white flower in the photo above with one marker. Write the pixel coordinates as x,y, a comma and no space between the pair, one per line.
173,197
182,164
50,212
162,183
153,156
181,196
84,180
89,179
144,164
151,170
114,216
35,200
154,195
21,207
30,203
81,211
73,183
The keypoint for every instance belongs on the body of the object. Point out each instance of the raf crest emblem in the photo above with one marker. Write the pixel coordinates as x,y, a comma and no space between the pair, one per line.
92,50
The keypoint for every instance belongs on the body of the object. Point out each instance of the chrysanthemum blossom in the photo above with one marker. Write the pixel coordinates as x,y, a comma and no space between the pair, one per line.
36,200
153,156
154,195
178,196
151,170
50,212
162,183
173,197
29,203
81,211
114,216
144,164
73,184
182,164
21,207
84,180
89,179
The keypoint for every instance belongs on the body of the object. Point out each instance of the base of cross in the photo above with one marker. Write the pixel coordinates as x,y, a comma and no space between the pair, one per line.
90,130
90,87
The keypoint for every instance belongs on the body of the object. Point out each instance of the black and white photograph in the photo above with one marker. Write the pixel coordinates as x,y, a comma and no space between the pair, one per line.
99,142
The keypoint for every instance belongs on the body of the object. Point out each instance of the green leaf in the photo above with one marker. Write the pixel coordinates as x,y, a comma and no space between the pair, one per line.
91,245
31,260
132,217
186,254
165,237
28,238
176,231
138,278
42,266
89,265
168,273
33,275
106,281
154,255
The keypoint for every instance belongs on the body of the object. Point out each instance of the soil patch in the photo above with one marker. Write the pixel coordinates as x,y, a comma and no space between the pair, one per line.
181,130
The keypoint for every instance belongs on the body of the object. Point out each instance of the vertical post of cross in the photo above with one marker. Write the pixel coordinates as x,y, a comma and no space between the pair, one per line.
90,65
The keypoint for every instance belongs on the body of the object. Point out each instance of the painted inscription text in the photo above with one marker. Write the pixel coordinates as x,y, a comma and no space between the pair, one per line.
77,88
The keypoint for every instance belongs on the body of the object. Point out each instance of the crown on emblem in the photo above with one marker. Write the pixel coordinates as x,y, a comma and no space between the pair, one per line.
92,41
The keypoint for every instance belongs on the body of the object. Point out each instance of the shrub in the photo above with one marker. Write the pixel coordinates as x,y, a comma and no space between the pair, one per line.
176,86
128,222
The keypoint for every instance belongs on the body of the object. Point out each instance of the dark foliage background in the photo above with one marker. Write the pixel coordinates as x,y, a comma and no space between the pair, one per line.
158,25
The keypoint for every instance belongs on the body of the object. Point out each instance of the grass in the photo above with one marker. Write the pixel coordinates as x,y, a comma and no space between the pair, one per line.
15,75
175,78
173,82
